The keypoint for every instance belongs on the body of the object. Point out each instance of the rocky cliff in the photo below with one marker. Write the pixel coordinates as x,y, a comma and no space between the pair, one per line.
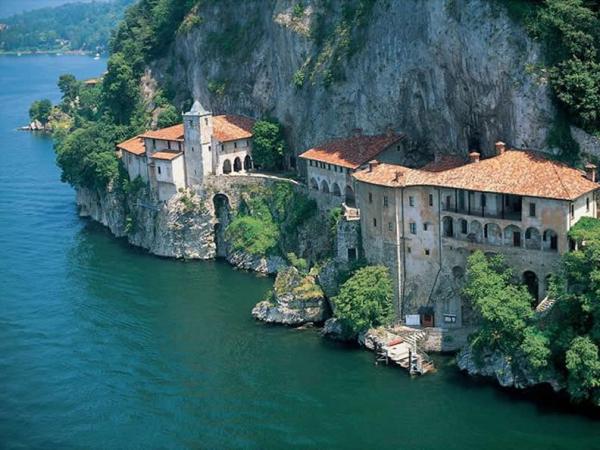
452,74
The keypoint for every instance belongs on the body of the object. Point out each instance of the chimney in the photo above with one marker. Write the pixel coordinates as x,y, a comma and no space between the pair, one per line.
372,164
474,157
590,172
500,148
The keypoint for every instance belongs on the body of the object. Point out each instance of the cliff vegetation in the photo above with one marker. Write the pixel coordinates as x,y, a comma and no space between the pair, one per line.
560,346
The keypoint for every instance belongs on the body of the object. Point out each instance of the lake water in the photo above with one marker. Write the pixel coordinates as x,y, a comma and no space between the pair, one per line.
105,346
10,7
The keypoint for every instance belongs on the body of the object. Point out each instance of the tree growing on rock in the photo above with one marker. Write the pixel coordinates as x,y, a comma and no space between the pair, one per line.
268,144
365,300
40,110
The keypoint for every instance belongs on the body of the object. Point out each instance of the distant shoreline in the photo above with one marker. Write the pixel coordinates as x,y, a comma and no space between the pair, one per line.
48,52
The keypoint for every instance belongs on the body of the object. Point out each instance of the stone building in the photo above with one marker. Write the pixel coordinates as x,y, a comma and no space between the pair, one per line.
183,155
331,164
423,223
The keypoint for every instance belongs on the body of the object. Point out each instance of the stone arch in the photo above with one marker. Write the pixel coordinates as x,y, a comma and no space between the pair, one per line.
226,166
475,231
314,184
493,234
350,199
335,188
463,225
247,163
512,236
237,165
447,226
324,187
530,279
533,239
550,240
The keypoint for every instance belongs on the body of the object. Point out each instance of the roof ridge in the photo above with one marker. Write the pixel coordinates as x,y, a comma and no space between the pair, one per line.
558,175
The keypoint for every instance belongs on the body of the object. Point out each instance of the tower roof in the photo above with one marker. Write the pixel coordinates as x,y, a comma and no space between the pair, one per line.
198,109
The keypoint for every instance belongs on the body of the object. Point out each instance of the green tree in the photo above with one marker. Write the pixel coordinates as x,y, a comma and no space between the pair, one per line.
504,308
268,144
69,87
40,110
168,116
583,365
365,300
253,235
120,89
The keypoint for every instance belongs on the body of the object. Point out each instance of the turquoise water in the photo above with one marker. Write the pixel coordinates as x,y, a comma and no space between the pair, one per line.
105,346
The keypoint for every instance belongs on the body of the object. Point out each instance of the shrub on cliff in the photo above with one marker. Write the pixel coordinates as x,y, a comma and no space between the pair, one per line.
268,144
40,110
252,235
365,300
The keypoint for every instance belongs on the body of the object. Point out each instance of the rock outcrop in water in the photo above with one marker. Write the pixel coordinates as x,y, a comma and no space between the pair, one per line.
452,74
296,299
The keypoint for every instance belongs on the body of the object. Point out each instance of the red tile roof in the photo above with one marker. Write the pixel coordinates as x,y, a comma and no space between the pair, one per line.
173,133
516,172
165,155
134,145
351,152
231,127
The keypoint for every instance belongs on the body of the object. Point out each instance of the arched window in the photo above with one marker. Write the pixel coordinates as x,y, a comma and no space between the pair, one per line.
335,188
350,201
226,166
550,240
247,163
237,165
314,184
493,234
448,226
475,231
512,236
324,187
533,239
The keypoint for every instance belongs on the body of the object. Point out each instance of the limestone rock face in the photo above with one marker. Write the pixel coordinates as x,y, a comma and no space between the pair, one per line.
450,74
507,372
267,265
178,228
296,299
335,329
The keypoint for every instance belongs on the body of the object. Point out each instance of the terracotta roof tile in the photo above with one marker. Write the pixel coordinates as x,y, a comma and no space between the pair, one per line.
167,156
351,152
514,172
173,133
134,145
230,127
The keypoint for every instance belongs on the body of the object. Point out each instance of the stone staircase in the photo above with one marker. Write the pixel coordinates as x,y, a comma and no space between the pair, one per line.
545,306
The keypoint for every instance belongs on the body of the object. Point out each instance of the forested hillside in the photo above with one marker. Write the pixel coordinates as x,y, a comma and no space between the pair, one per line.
70,27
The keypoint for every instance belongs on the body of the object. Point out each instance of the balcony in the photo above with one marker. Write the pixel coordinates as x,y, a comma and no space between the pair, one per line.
485,205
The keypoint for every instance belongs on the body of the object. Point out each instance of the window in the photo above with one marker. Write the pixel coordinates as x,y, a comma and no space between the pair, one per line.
430,199
158,168
169,145
426,252
587,204
413,228
463,226
411,201
206,121
209,148
390,226
425,225
572,210
385,201
370,197
235,145
179,146
351,254
374,222
191,124
154,144
310,162
408,249
483,200
328,166
449,318
348,171
532,210
398,148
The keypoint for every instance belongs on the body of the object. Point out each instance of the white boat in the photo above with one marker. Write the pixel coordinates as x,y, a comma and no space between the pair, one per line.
97,56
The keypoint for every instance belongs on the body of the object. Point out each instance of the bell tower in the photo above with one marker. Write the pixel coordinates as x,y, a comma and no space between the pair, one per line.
198,130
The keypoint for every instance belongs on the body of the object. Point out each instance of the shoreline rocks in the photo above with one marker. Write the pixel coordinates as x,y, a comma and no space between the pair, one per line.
296,299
